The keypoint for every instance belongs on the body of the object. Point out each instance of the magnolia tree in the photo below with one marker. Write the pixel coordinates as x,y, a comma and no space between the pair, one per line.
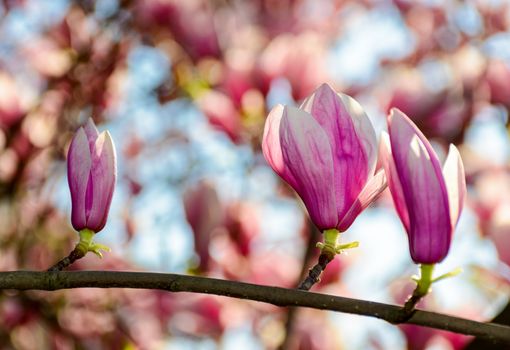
266,172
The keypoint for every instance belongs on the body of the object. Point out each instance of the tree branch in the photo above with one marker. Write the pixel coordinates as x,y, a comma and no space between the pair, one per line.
24,280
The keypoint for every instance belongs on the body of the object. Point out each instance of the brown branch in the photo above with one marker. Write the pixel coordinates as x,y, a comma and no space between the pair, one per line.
68,260
314,274
410,306
24,280
502,318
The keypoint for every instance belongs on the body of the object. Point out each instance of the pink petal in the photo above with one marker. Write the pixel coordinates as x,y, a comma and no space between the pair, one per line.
403,121
453,172
424,190
353,142
393,181
78,167
373,188
91,132
103,174
307,154
271,147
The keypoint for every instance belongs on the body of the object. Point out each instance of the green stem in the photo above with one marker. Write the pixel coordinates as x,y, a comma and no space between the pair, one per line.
85,245
329,248
330,242
423,284
425,281
86,236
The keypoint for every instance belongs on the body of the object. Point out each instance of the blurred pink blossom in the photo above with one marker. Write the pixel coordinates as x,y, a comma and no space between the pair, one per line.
221,112
186,20
204,213
301,59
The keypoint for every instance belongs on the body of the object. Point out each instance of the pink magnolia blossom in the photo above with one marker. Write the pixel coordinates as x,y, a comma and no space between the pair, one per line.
497,78
304,71
326,151
186,20
428,200
498,230
91,173
204,213
221,112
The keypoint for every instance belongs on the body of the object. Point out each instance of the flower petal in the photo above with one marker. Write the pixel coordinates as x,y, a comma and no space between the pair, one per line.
307,154
453,172
271,147
393,180
92,133
424,190
103,174
353,142
373,188
78,168
403,122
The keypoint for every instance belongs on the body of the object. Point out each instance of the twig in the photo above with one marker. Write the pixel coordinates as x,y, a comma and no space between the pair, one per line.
85,245
68,260
315,272
409,307
24,280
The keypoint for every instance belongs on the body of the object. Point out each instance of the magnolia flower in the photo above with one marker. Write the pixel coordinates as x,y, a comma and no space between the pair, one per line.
91,173
428,200
326,150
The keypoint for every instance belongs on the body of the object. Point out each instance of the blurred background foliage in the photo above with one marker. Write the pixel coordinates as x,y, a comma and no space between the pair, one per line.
184,87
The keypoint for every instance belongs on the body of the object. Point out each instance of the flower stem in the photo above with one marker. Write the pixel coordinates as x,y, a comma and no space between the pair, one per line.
423,284
315,272
68,260
329,248
85,245
422,288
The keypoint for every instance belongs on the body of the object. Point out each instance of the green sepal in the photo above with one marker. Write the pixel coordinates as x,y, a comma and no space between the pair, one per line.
330,246
86,244
452,273
425,280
